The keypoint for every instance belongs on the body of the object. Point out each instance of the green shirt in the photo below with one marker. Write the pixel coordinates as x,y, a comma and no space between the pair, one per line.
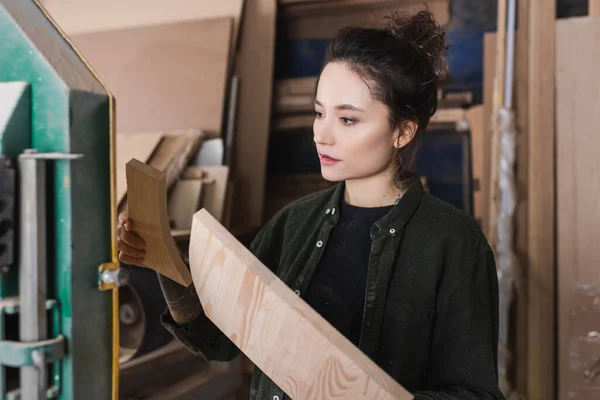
431,312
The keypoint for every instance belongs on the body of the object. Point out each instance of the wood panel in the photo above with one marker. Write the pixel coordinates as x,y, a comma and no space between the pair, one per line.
541,210
214,197
289,341
324,20
578,188
183,202
255,69
521,107
165,77
83,16
594,7
475,116
489,68
147,209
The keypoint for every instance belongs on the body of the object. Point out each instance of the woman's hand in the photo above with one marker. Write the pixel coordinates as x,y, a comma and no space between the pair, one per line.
132,248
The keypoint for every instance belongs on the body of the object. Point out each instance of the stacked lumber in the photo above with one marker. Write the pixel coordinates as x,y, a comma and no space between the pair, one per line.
195,66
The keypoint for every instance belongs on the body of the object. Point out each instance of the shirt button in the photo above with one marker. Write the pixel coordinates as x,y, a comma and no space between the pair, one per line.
276,397
332,211
328,211
297,292
320,243
392,231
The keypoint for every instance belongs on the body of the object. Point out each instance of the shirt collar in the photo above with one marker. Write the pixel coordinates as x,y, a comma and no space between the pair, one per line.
393,221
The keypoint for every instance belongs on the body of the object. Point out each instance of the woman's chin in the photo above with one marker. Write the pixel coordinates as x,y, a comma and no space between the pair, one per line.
331,176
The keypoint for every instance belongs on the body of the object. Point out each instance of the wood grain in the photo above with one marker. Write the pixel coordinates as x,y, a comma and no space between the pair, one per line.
147,209
541,194
215,188
276,329
255,69
521,106
578,188
173,154
475,116
183,202
594,7
165,77
74,16
324,19
133,145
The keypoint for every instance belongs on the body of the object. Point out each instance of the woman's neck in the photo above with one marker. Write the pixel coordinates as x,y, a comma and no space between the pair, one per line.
376,191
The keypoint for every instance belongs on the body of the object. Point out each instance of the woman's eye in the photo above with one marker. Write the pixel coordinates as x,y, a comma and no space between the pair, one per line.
318,114
348,121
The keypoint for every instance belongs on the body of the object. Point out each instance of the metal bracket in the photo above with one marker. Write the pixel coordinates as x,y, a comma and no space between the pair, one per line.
34,347
20,354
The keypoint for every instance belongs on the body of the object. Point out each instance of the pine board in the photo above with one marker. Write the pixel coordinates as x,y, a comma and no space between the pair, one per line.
283,336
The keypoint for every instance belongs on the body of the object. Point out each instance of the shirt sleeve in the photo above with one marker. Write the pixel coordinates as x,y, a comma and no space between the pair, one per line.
464,352
201,336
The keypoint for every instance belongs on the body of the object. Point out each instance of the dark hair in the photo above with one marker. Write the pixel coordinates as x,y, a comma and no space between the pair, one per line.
401,62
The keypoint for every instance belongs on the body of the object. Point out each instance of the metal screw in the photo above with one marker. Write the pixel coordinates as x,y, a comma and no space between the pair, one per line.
39,358
119,276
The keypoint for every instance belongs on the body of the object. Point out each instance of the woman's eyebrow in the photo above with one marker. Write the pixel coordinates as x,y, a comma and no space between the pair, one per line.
342,106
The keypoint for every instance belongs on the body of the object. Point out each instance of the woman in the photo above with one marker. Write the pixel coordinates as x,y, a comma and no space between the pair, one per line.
408,279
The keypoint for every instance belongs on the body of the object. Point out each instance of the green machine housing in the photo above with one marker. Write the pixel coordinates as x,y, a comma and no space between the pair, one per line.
57,334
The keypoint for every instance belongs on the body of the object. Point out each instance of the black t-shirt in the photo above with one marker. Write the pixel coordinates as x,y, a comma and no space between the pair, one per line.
337,289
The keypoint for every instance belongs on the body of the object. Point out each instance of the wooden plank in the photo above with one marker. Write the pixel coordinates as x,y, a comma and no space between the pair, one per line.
520,347
269,323
147,208
478,152
83,16
173,153
133,145
578,168
183,202
541,210
489,68
296,86
594,7
497,103
255,69
321,22
165,77
216,180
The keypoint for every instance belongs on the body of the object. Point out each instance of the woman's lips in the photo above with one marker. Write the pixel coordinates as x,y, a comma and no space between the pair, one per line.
327,160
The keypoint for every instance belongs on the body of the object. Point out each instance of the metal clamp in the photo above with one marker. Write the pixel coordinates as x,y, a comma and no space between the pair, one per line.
37,354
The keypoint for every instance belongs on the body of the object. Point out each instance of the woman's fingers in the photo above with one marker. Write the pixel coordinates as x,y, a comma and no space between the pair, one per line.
127,259
123,217
129,250
125,222
130,238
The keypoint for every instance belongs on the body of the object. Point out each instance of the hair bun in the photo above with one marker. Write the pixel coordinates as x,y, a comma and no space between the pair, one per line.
422,32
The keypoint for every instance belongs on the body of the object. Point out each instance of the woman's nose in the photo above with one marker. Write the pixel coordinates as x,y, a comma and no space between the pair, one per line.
322,134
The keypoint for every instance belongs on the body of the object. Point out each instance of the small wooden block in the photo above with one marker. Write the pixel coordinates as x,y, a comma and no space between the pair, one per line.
280,333
183,202
215,191
147,208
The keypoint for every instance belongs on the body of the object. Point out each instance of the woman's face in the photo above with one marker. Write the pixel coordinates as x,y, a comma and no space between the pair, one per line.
352,132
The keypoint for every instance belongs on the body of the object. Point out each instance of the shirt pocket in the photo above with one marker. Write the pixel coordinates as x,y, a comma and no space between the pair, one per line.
408,314
405,339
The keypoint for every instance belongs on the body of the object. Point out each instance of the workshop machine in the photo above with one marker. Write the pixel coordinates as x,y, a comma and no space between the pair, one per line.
60,280
57,334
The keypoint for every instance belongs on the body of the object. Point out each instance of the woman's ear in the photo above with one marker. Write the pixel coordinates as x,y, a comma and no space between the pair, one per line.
404,134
